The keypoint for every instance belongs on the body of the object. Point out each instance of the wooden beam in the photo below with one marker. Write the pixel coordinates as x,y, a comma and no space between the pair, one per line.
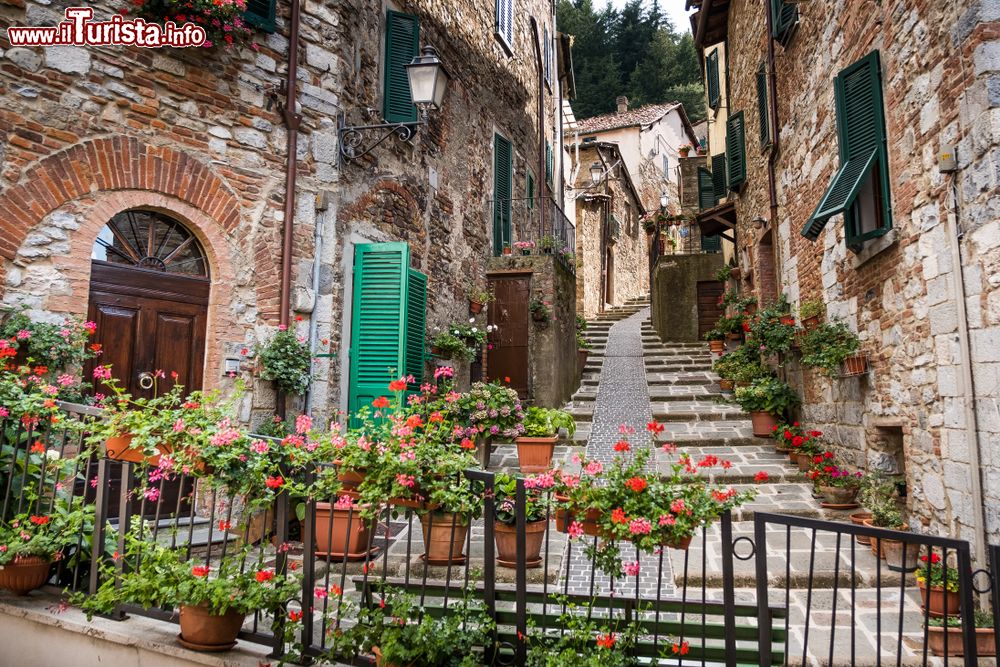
706,9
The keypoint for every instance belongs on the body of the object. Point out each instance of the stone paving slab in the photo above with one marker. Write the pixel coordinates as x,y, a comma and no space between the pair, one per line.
673,411
685,392
685,378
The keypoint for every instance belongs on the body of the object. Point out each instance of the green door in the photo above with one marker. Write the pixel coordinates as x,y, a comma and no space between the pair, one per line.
387,321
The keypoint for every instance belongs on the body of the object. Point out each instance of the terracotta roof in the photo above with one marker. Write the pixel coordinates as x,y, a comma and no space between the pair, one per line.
639,116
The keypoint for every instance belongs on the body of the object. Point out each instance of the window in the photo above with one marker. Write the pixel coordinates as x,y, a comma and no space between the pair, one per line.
719,176
504,28
706,189
529,190
860,187
260,14
589,140
666,168
762,106
784,18
402,41
547,54
503,171
712,77
549,160
736,163
388,320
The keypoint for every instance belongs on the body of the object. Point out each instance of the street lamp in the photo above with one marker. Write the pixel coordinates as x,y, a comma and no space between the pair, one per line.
428,81
663,201
596,173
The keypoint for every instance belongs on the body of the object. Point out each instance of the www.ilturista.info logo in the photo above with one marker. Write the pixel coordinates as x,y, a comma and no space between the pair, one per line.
78,29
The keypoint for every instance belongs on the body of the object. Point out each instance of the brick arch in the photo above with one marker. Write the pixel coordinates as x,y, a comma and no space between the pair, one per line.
109,164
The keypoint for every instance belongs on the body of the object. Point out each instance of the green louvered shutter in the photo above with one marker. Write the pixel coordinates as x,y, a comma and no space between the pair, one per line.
402,42
784,17
719,176
711,243
706,189
549,161
529,190
416,324
260,14
712,76
736,160
861,134
765,128
502,188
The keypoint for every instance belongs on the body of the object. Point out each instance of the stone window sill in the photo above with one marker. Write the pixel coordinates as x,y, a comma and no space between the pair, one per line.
875,248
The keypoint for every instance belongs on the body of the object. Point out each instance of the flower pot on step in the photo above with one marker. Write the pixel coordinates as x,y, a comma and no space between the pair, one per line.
202,631
717,346
838,495
804,461
535,454
858,519
900,556
985,641
342,533
444,537
506,539
725,385
24,574
581,358
939,601
763,424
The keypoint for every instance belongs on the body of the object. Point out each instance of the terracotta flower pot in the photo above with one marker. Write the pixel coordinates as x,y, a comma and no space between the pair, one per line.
838,495
506,538
742,383
858,519
341,533
937,598
788,320
804,461
878,545
474,306
24,574
681,544
717,346
565,518
506,250
763,424
810,323
535,454
442,544
985,641
581,358
725,385
900,556
119,448
201,631
733,335
856,365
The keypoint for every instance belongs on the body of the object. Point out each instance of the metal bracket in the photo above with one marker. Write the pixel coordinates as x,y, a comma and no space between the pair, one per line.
351,138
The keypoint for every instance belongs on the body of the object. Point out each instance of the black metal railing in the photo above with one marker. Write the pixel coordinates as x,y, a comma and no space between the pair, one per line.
532,225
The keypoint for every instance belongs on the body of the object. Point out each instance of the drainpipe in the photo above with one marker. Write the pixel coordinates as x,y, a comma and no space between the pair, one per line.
968,382
772,158
292,121
539,65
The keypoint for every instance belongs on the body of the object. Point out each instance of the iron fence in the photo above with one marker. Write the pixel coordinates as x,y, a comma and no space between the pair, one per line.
538,222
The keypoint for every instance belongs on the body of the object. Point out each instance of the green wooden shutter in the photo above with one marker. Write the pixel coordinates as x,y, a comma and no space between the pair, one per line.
706,189
416,324
762,115
549,162
711,243
378,320
529,190
736,161
719,176
402,42
502,188
260,14
712,76
504,25
861,134
784,17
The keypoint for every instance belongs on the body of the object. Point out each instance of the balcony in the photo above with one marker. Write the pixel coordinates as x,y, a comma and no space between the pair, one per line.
531,226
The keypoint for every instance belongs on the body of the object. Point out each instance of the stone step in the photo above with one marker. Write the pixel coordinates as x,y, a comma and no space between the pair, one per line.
725,433
685,378
681,365
698,411
669,354
696,392
582,413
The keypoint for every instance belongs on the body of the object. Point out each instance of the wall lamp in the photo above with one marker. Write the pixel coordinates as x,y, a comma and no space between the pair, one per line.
428,80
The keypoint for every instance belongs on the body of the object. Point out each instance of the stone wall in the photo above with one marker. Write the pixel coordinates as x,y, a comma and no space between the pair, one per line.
674,297
200,134
939,64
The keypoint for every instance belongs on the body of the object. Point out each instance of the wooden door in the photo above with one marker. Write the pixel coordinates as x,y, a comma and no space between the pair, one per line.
508,357
148,320
709,310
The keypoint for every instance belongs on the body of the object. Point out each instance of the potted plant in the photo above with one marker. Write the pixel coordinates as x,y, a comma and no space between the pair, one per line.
285,360
536,511
30,543
539,310
810,312
938,583
586,639
766,399
723,274
684,150
773,329
541,431
839,486
549,244
985,635
489,410
212,600
525,247
877,495
807,451
716,340
224,22
479,296
731,326
828,346
783,435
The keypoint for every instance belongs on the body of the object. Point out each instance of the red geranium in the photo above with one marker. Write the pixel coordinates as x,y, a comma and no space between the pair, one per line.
606,641
637,484
380,402
199,571
264,575
397,385
618,515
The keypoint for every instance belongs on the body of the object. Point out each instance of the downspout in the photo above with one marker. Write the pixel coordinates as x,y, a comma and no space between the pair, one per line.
772,158
541,124
968,381
292,121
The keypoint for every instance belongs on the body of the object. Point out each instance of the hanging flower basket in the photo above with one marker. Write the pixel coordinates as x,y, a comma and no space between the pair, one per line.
222,20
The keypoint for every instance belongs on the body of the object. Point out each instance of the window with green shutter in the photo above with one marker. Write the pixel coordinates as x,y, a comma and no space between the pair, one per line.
711,243
549,163
762,106
860,187
719,176
712,77
503,169
388,321
706,189
529,190
260,14
504,25
736,154
402,42
784,18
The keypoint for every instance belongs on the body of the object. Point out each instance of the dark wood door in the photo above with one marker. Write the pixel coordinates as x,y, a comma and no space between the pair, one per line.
709,310
508,357
148,321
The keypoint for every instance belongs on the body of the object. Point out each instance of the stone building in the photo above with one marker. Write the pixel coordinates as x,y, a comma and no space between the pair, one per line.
865,174
150,189
612,250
